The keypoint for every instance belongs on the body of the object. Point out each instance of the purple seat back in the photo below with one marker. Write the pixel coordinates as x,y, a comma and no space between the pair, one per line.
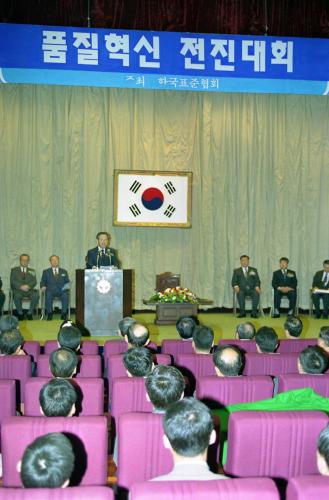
87,347
16,368
75,493
90,392
308,488
88,435
224,391
270,364
176,347
244,345
319,383
129,395
295,345
7,400
32,347
279,444
147,457
119,346
200,365
230,489
88,366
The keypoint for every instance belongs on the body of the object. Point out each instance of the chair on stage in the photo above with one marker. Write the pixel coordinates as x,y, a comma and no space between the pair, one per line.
25,301
89,347
284,303
88,366
248,303
56,303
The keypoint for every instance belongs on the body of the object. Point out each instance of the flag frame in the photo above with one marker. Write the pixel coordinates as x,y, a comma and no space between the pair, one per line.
116,198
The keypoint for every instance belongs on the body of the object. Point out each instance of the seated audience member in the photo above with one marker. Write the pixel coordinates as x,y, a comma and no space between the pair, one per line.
322,453
124,325
9,323
228,361
138,362
22,282
312,360
63,363
323,340
320,285
185,327
58,398
203,339
48,462
55,282
11,342
293,327
245,331
266,340
137,335
165,385
69,337
284,283
189,430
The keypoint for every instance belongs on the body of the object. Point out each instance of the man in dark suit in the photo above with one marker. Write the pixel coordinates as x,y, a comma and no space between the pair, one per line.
284,282
321,282
22,282
103,254
246,282
2,297
55,283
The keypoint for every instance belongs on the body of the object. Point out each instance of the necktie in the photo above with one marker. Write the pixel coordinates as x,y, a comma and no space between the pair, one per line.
326,278
284,274
24,272
245,271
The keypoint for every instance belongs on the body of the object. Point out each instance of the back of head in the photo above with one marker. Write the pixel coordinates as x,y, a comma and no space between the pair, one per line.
185,327
57,398
69,337
323,451
138,361
188,425
266,339
293,326
165,385
245,331
10,341
228,359
203,338
48,462
313,360
324,337
137,335
8,323
124,325
63,363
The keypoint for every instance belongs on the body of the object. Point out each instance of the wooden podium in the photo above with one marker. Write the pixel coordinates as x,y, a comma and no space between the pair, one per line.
103,298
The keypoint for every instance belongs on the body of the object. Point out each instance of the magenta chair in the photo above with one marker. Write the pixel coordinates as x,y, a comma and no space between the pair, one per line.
229,489
16,368
90,392
8,400
308,488
243,345
75,493
32,348
200,365
270,364
88,436
176,347
129,395
292,381
295,345
87,347
119,346
224,391
278,444
88,366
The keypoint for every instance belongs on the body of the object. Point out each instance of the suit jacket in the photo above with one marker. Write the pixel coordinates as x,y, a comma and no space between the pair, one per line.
17,279
95,259
248,282
54,283
278,279
317,281
0,283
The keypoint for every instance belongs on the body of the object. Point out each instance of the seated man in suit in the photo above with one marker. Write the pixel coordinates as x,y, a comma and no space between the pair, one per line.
22,282
312,360
321,282
164,386
55,283
185,327
245,281
2,297
322,454
58,398
138,362
11,343
102,255
228,361
284,282
267,340
245,331
323,340
63,363
293,327
203,339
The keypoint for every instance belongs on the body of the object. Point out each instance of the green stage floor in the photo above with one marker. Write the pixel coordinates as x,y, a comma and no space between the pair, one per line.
223,324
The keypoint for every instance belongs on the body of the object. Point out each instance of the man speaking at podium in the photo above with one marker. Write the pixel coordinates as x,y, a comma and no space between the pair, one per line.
102,255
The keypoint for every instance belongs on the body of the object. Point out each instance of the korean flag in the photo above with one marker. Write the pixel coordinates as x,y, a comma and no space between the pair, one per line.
157,199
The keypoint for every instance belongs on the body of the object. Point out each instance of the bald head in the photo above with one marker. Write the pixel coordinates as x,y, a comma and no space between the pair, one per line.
228,361
137,335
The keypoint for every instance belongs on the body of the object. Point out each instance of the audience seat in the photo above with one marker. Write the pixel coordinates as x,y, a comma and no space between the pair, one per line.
224,391
278,444
16,368
270,364
119,346
308,488
32,347
129,395
175,347
230,489
88,366
319,383
87,347
87,434
90,392
295,345
243,345
200,365
7,400
76,493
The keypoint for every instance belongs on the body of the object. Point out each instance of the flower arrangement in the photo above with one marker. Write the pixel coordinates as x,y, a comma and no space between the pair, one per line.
175,295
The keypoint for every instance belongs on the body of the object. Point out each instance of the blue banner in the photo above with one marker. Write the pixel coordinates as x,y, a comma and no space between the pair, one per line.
162,60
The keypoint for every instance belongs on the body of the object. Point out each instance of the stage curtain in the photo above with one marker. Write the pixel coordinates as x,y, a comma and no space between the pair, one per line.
260,181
